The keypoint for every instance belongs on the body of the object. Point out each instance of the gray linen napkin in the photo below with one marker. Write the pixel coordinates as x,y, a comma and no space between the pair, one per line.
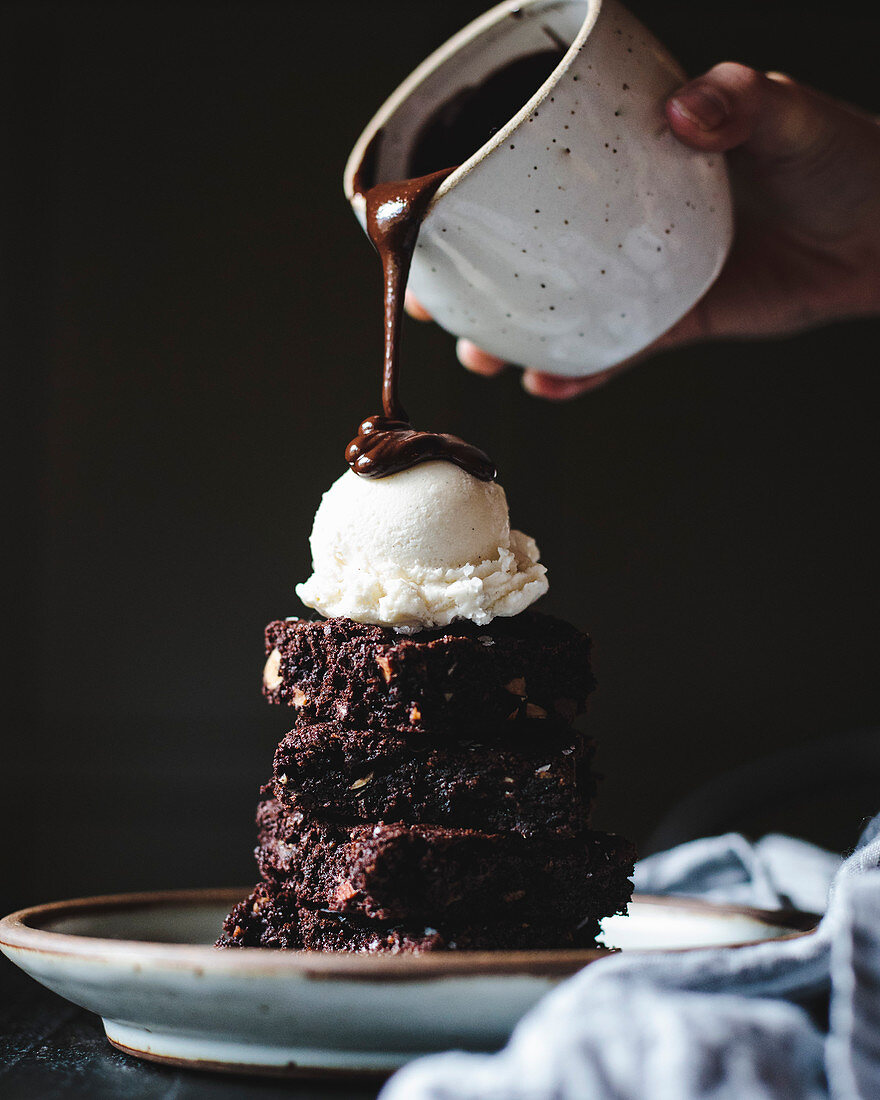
712,1024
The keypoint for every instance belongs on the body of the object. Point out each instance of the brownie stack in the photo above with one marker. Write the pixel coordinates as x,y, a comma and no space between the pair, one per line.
432,793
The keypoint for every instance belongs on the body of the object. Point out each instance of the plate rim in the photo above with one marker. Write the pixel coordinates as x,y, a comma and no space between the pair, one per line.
24,930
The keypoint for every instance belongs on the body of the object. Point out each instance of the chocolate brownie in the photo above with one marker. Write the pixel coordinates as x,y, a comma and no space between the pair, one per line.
270,917
460,678
400,872
538,782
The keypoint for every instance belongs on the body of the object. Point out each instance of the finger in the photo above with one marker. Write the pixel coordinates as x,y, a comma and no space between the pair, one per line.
415,308
477,360
770,115
557,387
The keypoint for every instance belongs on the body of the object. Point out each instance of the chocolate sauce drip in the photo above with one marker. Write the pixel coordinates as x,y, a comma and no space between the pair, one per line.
394,217
387,443
385,446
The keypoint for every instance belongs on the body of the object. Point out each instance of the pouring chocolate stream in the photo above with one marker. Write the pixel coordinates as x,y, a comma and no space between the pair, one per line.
387,443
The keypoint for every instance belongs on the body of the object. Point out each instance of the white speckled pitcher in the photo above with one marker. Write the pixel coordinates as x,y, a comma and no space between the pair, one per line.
581,230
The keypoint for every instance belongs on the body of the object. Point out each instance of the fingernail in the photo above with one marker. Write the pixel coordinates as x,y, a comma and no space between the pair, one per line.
702,106
550,387
463,349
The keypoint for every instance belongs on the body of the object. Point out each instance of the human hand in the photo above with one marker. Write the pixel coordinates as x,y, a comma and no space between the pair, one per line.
805,171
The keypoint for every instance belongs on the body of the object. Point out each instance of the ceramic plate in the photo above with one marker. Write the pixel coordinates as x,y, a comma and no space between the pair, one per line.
144,963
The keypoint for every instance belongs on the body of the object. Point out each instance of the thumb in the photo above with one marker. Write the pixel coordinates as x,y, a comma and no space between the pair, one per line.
733,105
805,147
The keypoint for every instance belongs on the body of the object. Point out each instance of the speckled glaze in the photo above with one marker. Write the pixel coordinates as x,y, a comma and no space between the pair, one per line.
582,230
144,963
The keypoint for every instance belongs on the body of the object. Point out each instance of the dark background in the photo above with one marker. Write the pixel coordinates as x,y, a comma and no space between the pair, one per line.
194,335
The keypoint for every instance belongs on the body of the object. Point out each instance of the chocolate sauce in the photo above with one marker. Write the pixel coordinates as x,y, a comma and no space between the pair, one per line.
387,443
394,217
385,446
457,129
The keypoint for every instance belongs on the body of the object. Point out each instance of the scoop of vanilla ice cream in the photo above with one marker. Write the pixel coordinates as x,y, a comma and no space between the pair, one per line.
420,548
